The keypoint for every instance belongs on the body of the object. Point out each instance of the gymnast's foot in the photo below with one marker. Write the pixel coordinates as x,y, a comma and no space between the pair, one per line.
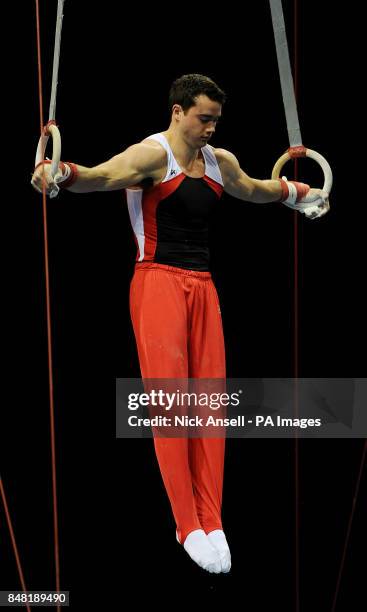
219,542
198,546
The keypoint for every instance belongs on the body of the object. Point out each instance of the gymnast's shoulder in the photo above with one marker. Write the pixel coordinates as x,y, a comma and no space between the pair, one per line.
227,161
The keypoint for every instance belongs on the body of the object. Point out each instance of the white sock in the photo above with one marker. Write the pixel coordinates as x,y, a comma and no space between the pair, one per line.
218,540
202,552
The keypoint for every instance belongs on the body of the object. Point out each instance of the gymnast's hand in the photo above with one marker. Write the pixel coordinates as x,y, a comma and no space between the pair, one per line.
42,175
313,203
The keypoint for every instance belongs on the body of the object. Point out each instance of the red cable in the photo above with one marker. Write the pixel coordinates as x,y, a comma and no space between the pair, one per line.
296,372
296,341
12,537
48,315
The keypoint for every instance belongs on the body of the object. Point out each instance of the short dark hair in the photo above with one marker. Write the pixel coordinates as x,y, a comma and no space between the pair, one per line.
185,89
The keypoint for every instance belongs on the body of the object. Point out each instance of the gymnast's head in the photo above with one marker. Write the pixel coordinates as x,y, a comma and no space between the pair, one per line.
195,104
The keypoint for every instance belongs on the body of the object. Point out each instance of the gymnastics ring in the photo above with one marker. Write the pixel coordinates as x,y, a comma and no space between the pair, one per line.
52,130
301,151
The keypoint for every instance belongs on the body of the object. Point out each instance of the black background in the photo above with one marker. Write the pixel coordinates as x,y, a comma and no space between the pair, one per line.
117,536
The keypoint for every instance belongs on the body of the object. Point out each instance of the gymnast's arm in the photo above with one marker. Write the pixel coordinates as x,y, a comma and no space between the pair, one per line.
239,185
312,202
130,167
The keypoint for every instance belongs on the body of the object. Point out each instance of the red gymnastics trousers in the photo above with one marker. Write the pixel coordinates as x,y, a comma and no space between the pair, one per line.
178,330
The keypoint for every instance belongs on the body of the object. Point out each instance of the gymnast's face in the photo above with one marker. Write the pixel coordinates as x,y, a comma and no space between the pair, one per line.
198,123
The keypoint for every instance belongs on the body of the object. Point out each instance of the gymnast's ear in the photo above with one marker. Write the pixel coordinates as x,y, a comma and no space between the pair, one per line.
177,111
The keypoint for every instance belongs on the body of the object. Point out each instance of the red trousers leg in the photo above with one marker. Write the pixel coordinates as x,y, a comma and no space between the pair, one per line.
178,330
207,360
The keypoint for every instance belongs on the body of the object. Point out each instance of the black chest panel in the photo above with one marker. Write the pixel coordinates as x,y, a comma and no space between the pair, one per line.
183,225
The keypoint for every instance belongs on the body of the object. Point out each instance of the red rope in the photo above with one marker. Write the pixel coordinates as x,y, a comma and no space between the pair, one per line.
48,315
12,537
296,341
296,374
